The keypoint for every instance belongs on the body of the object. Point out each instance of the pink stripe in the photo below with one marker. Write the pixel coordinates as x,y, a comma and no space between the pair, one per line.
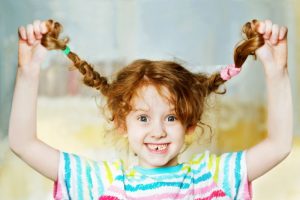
108,198
113,189
218,193
191,191
57,193
247,190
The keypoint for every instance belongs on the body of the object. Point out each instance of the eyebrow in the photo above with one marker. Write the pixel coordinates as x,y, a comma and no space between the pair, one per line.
146,110
140,109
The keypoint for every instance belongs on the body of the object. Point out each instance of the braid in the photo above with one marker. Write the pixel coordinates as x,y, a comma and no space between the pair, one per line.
90,77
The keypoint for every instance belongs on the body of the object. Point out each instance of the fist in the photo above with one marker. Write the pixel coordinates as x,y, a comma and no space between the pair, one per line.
273,54
31,52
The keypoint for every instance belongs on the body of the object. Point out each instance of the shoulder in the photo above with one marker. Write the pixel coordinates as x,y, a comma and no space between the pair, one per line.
227,170
209,158
219,165
82,164
80,176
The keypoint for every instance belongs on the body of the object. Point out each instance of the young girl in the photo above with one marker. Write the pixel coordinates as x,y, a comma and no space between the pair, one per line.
154,104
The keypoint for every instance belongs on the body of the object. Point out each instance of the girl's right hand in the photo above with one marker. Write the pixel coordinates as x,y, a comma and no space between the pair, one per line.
31,53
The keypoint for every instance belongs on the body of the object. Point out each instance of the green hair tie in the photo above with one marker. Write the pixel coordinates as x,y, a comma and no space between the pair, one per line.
66,50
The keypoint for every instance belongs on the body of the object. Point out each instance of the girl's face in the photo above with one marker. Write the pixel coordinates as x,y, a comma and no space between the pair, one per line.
153,131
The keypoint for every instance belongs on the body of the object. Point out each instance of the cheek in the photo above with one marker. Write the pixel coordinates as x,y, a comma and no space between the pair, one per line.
135,137
177,134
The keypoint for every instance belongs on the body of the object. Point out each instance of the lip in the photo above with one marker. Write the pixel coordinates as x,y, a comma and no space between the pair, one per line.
157,143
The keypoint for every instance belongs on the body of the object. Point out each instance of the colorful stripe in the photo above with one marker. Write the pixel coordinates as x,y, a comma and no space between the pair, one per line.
216,174
108,172
79,187
226,183
237,172
98,174
89,178
164,176
206,192
156,185
204,177
67,171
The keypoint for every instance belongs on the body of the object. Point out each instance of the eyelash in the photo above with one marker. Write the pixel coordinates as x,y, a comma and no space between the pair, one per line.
139,118
173,117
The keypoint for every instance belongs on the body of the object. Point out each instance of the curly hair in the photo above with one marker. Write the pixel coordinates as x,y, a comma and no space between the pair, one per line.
188,90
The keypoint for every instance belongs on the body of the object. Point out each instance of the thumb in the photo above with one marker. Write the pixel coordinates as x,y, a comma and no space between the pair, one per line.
261,27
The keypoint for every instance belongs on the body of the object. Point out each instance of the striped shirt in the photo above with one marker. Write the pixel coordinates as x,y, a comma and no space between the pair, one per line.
205,176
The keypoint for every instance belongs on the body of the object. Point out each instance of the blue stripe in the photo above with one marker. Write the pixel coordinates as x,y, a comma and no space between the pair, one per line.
67,169
237,172
159,170
169,176
226,168
89,179
79,179
98,177
155,185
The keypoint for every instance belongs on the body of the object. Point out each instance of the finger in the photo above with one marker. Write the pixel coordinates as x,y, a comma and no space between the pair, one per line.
283,32
275,33
268,29
43,27
36,29
30,35
22,33
261,27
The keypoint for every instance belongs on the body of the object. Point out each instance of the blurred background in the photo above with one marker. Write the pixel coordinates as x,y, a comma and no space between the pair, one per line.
200,34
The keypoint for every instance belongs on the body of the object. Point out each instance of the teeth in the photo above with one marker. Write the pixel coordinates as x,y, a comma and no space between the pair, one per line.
157,147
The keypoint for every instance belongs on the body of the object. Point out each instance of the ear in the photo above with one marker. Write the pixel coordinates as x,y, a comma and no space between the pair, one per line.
190,129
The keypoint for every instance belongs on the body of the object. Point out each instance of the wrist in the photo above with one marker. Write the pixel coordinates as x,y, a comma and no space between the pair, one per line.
277,78
31,71
273,71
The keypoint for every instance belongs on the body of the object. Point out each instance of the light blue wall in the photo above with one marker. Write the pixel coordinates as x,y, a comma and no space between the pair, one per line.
197,32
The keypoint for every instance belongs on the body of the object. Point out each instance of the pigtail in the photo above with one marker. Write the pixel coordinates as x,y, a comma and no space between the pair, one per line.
91,78
251,42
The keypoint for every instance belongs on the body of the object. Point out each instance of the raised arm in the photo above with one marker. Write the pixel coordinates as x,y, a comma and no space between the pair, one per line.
273,55
22,125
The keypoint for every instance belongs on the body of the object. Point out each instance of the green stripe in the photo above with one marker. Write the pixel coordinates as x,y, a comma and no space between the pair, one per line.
108,172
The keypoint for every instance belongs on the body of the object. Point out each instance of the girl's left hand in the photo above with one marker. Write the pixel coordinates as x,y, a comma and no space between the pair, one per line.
273,54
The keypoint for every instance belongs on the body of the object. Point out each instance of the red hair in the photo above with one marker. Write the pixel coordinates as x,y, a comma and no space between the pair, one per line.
188,90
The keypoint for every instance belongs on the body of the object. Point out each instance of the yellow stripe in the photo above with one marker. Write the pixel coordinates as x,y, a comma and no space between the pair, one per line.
210,161
131,173
186,167
216,175
198,160
117,165
108,172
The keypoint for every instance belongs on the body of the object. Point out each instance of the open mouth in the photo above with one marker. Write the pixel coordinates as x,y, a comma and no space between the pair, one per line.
157,148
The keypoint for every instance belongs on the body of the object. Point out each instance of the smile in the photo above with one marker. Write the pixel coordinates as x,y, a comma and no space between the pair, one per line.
158,148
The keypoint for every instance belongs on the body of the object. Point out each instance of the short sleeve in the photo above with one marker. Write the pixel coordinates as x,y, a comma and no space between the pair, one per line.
81,178
229,171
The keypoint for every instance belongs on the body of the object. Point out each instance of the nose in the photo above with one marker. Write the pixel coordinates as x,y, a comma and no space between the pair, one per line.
158,130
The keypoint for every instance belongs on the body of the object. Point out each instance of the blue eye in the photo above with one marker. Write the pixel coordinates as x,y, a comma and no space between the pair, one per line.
171,118
143,118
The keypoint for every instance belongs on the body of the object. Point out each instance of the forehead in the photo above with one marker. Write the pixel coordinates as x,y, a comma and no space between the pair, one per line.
150,97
